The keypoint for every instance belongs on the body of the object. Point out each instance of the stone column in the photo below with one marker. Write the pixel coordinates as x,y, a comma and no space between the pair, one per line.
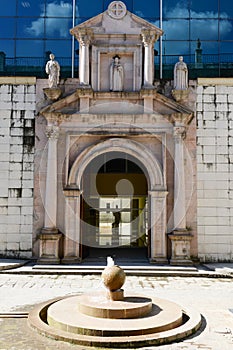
148,40
72,252
49,251
158,226
180,238
84,61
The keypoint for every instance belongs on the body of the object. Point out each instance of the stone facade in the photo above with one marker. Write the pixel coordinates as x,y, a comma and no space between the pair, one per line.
181,140
17,115
214,169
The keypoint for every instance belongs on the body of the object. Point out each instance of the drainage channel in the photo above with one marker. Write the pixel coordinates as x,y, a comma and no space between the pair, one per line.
14,315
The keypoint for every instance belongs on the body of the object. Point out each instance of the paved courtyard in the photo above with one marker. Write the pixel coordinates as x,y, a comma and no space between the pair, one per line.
212,297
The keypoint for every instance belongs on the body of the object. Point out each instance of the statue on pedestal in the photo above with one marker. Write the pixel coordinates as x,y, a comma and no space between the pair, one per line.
52,68
116,75
180,75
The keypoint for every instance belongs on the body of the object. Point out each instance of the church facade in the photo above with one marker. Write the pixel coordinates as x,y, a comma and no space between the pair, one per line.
122,163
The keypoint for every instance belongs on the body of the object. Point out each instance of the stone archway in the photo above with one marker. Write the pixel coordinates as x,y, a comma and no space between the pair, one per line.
156,193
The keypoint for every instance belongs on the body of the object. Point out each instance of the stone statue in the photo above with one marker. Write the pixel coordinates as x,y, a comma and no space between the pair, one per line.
180,75
52,68
116,75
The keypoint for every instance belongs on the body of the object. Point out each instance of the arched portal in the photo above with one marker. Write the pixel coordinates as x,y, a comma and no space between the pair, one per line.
114,207
116,174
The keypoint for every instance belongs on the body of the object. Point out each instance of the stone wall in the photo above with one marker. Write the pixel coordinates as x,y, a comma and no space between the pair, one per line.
215,169
17,117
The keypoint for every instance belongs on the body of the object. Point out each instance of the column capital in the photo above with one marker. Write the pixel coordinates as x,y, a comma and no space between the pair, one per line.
84,36
179,132
148,37
52,132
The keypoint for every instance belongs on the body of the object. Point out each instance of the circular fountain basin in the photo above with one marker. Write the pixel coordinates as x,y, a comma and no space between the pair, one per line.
137,321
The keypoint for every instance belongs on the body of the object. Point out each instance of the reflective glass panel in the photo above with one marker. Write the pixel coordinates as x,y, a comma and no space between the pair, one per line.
204,29
7,28
226,8
7,46
30,28
31,8
176,29
226,48
58,28
88,8
59,8
149,8
209,49
226,29
60,48
29,48
175,48
204,9
6,9
175,9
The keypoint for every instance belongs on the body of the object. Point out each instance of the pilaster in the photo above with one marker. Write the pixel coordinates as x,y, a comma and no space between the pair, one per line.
72,241
158,226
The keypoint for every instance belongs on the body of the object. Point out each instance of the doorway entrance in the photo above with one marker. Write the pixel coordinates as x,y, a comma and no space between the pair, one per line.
114,207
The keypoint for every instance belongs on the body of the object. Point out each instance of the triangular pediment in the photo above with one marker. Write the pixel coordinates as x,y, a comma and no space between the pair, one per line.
105,24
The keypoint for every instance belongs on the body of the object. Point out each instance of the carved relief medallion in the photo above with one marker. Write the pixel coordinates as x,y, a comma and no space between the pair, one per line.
117,9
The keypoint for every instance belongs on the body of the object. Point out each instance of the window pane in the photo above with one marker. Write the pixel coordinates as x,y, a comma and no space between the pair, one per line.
226,29
175,9
227,49
7,10
176,29
59,8
226,8
204,9
60,48
29,48
7,46
58,27
31,8
208,48
88,8
149,8
204,29
179,48
7,28
28,28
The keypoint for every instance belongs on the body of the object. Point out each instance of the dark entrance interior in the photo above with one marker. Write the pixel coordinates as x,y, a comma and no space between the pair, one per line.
114,208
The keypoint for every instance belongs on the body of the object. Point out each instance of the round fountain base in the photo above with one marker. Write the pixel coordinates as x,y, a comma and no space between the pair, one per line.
92,320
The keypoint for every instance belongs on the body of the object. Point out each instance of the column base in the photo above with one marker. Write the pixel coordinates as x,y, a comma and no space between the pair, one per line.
49,252
71,260
180,262
158,261
180,240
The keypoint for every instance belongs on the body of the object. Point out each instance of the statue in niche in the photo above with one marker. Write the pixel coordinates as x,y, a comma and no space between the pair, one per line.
180,75
52,68
116,75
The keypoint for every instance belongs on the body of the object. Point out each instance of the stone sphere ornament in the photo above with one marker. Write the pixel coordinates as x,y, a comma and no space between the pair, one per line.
113,277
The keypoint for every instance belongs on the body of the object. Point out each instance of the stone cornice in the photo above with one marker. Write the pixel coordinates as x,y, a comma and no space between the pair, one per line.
178,113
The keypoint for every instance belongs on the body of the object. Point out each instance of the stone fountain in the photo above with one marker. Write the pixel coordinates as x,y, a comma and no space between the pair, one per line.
113,318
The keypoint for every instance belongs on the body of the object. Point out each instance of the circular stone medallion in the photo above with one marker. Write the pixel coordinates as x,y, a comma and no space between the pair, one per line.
117,9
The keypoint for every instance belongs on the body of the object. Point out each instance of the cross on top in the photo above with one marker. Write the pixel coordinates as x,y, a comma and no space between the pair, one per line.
117,9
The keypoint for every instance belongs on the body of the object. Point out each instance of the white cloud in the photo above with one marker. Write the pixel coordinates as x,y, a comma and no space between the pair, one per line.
54,25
